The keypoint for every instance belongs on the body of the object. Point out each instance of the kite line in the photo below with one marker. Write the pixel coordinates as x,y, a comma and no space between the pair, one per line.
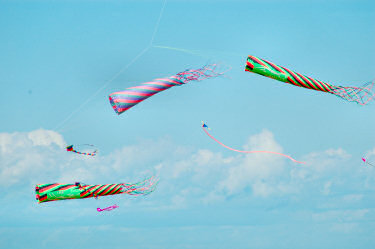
57,127
204,126
199,53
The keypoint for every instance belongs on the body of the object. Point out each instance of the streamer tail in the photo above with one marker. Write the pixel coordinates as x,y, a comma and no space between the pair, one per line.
204,126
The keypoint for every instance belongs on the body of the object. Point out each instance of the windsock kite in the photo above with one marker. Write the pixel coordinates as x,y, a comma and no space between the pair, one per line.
59,191
361,95
124,100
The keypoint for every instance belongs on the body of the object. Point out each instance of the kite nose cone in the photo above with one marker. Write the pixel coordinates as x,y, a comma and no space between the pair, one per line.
363,159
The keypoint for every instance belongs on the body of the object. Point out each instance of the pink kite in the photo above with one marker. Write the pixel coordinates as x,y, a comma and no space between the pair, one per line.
204,126
365,161
110,208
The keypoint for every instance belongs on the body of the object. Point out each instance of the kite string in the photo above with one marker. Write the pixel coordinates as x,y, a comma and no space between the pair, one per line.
157,24
249,152
57,127
197,52
100,89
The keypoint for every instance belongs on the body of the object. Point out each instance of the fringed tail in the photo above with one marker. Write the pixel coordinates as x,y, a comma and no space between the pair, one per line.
144,187
208,71
361,95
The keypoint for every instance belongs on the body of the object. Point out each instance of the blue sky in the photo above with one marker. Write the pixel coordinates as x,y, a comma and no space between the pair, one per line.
55,55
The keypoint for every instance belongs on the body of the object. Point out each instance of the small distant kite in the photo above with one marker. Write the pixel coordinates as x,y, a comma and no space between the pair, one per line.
361,95
204,126
110,208
124,100
59,191
92,150
366,162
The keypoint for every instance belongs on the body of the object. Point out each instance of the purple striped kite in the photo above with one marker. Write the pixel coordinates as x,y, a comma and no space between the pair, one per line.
124,100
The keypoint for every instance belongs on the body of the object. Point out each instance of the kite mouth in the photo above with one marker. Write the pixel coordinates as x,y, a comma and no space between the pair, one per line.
113,104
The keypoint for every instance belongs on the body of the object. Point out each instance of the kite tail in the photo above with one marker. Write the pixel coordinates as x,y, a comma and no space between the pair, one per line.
208,71
144,187
204,126
360,95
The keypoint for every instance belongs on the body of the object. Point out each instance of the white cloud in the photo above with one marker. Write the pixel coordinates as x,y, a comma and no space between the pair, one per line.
348,227
45,138
341,215
321,164
257,171
186,175
24,155
370,155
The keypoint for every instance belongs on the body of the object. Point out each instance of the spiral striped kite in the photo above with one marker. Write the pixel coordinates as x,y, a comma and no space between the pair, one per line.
59,191
361,95
124,100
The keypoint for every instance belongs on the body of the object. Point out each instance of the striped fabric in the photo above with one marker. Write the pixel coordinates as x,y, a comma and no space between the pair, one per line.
60,191
124,100
268,69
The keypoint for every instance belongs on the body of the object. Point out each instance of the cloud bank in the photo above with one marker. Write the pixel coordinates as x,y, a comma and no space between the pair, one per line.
186,175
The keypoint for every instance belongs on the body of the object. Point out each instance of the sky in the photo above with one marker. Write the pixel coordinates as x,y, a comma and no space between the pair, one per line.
61,59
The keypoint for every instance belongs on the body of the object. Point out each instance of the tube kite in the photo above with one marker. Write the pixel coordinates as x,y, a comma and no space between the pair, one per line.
361,95
59,191
204,126
366,162
124,100
92,153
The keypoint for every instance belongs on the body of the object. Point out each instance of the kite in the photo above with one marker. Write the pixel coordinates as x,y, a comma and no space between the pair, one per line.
124,100
91,153
59,191
365,161
361,95
204,126
110,208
